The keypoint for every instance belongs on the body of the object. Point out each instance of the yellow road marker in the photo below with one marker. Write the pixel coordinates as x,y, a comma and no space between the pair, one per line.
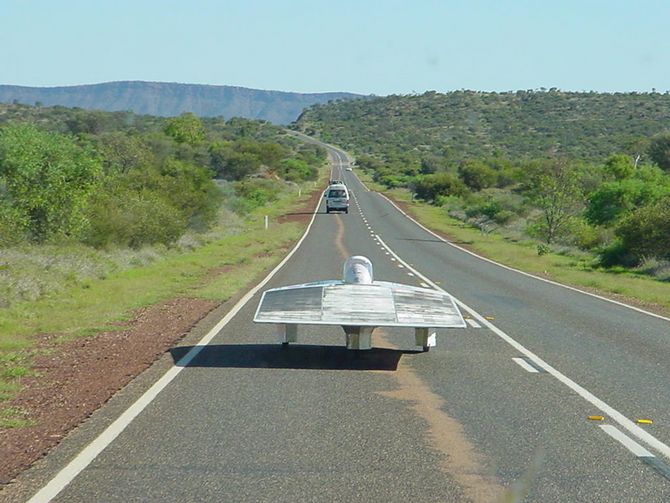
490,317
644,421
596,418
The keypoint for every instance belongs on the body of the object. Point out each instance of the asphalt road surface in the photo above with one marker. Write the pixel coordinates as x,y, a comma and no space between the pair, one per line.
498,411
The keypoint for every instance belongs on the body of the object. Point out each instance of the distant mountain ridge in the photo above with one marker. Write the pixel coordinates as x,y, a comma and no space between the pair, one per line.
169,99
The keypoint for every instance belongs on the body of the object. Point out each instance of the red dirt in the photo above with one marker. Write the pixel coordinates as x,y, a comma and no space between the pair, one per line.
78,376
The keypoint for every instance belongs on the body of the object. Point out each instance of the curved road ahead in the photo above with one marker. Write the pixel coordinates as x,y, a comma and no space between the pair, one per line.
495,410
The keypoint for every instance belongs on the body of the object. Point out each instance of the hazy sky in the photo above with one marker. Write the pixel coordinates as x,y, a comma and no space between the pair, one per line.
370,47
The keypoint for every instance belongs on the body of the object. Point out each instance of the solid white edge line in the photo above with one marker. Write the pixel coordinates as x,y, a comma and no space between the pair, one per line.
626,441
614,414
472,322
524,364
555,283
92,450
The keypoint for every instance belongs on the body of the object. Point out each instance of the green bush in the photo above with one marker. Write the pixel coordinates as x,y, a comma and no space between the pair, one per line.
13,225
48,179
428,187
645,232
255,193
297,170
477,175
132,218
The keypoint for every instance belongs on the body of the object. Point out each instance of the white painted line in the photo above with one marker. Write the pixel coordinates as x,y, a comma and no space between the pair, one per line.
425,285
392,259
410,274
387,253
472,322
522,363
401,266
574,289
626,441
91,451
613,414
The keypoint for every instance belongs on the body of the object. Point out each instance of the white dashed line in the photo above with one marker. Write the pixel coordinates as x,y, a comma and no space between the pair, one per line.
472,323
410,274
425,285
607,409
522,363
626,441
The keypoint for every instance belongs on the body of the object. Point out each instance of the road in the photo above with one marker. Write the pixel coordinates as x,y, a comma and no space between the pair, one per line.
494,411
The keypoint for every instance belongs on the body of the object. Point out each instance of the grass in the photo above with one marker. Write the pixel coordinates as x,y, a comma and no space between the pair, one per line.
87,305
523,256
13,417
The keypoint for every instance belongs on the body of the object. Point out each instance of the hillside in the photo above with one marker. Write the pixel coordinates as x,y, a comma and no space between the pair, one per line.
466,124
171,99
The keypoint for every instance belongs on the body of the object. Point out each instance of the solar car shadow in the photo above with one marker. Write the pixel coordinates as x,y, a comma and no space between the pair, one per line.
295,356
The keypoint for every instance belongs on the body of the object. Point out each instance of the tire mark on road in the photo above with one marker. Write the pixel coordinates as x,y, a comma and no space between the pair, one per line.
445,434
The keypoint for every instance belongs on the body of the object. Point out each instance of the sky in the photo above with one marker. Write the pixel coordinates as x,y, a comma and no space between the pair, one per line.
366,47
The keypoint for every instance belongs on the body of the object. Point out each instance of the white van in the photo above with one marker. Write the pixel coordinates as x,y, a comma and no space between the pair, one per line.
337,198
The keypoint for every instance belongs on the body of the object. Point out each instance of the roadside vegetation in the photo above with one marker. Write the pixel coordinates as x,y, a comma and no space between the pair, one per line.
581,178
103,213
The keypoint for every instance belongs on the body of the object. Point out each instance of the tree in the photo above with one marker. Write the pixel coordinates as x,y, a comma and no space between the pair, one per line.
613,200
554,187
646,232
187,128
428,187
122,152
48,179
659,150
477,175
620,166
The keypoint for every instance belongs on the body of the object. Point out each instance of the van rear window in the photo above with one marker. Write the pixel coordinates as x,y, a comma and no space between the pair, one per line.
337,193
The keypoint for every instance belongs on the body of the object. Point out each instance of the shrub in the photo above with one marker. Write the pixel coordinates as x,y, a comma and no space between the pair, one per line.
133,218
428,187
477,175
48,178
297,170
646,232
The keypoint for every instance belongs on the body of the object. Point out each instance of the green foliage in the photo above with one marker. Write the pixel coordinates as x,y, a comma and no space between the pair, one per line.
129,180
297,170
554,187
659,150
429,187
477,175
646,231
48,179
133,218
255,193
620,166
121,151
13,223
478,125
613,200
187,128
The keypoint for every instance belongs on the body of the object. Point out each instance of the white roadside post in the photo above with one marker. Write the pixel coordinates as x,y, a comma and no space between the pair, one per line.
267,222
